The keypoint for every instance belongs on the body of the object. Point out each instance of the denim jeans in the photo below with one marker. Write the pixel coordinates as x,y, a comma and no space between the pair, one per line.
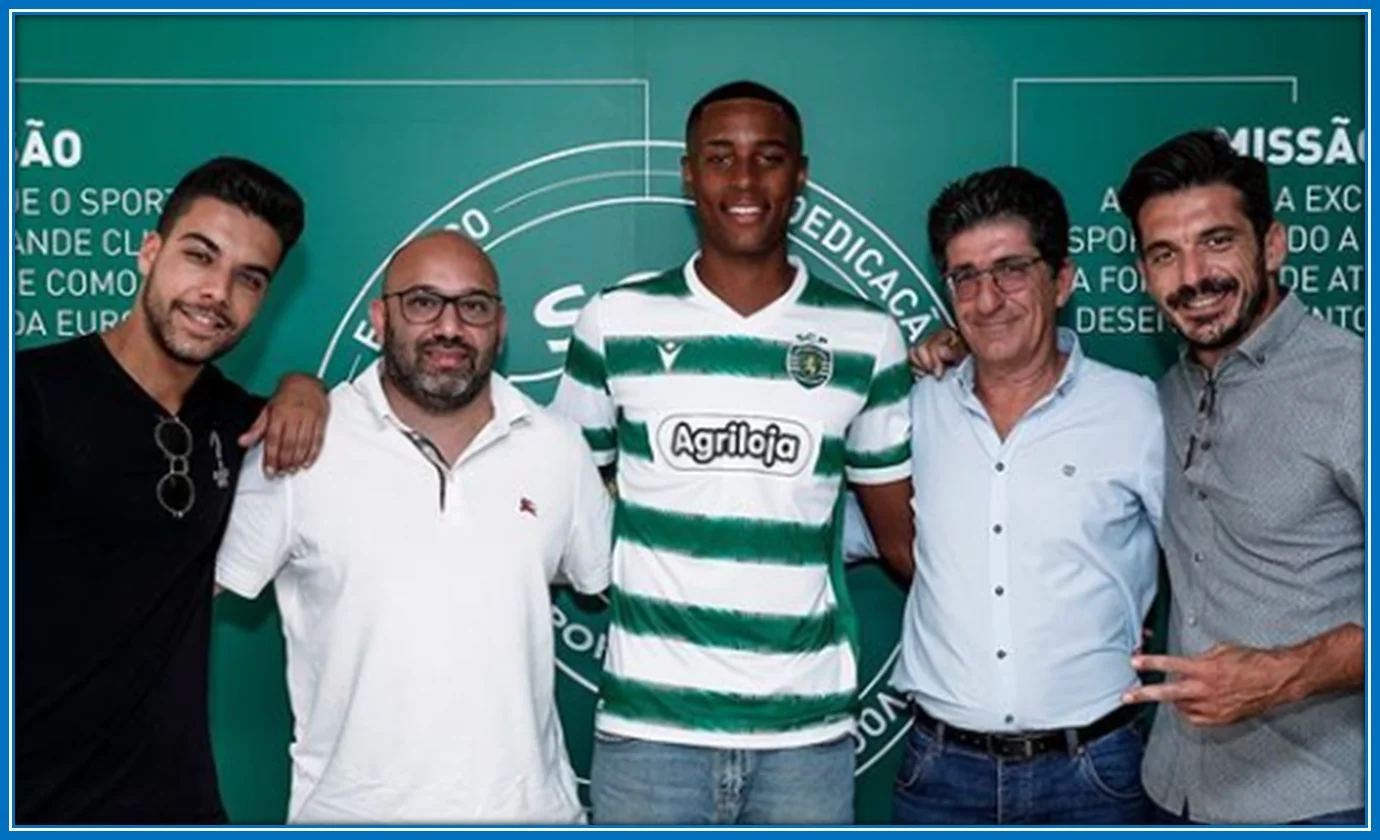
1353,817
1096,783
636,782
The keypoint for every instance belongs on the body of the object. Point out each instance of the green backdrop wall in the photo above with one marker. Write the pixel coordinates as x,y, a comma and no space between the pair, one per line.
555,142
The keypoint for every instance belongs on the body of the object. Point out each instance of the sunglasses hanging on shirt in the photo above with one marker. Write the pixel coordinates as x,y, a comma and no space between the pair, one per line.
175,491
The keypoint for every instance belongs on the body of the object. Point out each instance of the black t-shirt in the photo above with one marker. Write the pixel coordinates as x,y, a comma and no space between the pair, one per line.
113,593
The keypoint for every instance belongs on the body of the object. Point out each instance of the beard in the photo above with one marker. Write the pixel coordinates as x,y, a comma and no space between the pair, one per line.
1246,317
189,350
433,391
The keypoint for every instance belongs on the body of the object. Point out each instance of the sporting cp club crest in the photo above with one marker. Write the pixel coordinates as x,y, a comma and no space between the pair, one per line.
808,361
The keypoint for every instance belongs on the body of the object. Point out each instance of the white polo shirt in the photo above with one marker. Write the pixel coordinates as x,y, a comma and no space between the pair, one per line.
417,613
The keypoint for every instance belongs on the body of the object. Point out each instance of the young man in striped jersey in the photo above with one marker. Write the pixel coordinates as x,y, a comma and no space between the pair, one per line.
734,394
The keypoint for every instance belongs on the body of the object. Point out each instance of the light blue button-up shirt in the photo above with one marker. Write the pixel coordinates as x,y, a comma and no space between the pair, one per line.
1035,556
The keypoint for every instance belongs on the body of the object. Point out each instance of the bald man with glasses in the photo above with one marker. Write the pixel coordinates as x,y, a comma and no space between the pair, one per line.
412,568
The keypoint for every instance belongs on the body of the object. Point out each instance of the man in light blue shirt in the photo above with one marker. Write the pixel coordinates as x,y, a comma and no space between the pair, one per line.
1038,477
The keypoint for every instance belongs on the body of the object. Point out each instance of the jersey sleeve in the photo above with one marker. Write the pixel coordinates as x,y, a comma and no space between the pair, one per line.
878,444
583,394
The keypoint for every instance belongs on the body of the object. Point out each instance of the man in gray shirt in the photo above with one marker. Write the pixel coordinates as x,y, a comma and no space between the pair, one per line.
1262,717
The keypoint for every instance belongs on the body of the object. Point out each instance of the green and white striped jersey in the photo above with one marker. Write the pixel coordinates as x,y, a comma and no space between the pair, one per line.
730,625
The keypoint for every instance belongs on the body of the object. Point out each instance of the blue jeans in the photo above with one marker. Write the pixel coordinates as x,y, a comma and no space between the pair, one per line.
1353,817
636,782
1096,783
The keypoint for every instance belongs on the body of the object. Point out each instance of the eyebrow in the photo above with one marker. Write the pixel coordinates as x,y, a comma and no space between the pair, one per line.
1213,231
203,239
1004,258
427,287
723,142
254,268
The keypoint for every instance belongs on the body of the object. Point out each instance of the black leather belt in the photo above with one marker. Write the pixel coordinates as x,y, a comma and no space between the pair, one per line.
1020,746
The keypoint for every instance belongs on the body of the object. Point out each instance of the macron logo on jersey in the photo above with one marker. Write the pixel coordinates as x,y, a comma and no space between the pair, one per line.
668,351
734,443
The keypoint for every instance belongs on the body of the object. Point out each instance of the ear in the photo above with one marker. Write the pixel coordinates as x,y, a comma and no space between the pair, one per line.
687,176
1063,283
803,176
378,314
1276,248
502,326
148,252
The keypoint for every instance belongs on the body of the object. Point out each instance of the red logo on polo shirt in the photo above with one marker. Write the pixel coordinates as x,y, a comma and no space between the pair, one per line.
527,506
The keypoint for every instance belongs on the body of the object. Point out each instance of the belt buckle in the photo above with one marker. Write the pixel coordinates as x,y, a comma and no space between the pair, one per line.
1015,747
1028,747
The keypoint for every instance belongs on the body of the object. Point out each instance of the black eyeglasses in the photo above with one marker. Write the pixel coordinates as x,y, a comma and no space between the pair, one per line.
1197,438
1011,275
175,491
423,306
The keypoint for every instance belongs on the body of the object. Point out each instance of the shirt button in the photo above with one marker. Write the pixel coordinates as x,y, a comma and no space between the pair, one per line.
1000,466
1206,445
1010,718
1000,591
1001,654
1193,621
996,529
1202,495
1197,558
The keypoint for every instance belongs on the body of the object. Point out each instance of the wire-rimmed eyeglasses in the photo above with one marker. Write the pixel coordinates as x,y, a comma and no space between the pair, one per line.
1011,275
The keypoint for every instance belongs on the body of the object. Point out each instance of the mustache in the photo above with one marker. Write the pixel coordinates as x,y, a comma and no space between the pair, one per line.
1207,286
446,342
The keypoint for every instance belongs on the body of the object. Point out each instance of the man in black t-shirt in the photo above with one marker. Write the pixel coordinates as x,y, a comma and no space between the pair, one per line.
127,449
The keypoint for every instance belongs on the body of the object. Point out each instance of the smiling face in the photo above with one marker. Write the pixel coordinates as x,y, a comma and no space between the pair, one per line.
1206,268
442,365
1015,327
744,168
205,280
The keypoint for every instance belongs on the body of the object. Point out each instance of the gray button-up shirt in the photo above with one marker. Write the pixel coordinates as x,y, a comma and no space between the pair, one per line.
1264,534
